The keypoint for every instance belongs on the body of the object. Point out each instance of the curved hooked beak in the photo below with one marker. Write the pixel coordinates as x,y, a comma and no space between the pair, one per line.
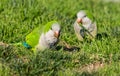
56,34
79,20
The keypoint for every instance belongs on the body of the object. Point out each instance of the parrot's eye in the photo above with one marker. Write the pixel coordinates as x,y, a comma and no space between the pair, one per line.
84,16
51,28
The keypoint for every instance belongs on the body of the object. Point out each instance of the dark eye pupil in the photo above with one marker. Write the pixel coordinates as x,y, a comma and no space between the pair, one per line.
85,16
51,28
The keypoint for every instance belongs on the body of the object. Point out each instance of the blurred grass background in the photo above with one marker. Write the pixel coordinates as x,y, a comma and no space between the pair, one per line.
20,17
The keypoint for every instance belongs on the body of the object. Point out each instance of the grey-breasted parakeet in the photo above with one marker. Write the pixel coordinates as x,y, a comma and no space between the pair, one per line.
84,26
42,38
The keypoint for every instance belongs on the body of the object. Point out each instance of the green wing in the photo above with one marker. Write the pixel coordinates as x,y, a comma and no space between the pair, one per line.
33,38
48,26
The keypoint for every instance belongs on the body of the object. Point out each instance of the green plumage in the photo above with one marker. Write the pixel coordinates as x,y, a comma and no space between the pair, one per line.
48,26
32,39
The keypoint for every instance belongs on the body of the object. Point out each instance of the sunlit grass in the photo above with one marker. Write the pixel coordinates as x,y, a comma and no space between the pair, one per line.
20,17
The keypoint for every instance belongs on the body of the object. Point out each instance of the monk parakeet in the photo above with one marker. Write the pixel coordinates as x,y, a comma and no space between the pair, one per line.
87,29
43,38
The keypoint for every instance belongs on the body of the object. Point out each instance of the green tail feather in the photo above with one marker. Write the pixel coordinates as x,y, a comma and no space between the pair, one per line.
22,44
26,45
16,44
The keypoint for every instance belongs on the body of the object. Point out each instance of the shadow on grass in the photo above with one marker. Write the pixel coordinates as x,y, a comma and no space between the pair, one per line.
113,32
102,35
70,49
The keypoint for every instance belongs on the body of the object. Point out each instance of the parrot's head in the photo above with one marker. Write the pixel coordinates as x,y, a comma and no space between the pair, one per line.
80,15
56,29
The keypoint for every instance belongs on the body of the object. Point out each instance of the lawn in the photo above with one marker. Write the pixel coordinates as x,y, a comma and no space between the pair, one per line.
100,57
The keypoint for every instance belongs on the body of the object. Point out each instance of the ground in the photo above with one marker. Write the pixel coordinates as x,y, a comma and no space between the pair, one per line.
100,57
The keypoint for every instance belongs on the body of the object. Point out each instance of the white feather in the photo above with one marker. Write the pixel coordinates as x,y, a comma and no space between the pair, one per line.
48,39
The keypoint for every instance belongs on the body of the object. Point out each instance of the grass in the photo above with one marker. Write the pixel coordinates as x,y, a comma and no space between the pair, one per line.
20,17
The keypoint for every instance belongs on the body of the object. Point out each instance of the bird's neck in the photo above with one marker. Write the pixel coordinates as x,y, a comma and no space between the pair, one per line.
49,33
86,22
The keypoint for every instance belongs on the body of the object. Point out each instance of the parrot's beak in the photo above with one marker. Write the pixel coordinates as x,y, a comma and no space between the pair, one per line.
79,20
56,34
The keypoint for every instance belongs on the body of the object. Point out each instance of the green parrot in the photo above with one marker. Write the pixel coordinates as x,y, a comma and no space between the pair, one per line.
84,26
43,38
